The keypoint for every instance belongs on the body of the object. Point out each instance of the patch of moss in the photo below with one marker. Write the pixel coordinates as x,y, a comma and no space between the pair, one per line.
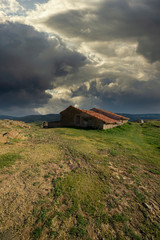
8,159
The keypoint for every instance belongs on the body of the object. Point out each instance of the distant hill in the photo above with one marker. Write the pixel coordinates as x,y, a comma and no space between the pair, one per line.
33,118
56,117
134,117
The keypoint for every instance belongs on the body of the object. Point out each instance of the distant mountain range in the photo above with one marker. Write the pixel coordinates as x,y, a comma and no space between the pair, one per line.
56,117
134,117
33,118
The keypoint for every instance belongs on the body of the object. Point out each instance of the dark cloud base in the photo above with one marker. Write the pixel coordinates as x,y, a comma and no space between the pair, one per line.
123,94
30,63
111,20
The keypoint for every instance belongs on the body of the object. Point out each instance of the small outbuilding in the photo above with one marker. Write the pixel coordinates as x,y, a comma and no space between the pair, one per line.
94,118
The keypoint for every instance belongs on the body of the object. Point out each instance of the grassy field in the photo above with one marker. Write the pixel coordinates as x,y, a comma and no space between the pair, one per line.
69,183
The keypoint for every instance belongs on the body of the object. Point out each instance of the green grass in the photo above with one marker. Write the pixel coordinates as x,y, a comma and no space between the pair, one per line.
130,140
130,233
100,184
79,230
117,218
131,144
8,159
140,197
36,234
83,189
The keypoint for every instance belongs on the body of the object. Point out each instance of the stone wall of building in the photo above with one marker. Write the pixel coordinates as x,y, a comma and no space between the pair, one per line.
72,117
108,126
68,117
51,124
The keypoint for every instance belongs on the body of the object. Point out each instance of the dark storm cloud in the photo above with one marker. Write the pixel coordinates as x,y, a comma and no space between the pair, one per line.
135,21
123,94
30,64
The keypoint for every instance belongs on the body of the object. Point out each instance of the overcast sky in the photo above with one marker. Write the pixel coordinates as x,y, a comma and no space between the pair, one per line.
86,53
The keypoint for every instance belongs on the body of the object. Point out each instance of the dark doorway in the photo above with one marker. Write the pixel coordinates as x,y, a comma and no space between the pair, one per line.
78,120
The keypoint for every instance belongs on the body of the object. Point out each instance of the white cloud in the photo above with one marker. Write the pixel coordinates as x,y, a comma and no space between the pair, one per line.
62,98
10,6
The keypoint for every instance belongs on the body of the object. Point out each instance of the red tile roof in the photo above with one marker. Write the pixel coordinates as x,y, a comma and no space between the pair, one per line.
96,115
109,114
99,116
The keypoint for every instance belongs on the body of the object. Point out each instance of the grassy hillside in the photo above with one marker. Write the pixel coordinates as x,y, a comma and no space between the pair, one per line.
79,184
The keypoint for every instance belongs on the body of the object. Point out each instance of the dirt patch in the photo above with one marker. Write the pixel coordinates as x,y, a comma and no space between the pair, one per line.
21,190
132,191
29,180
9,235
12,130
10,135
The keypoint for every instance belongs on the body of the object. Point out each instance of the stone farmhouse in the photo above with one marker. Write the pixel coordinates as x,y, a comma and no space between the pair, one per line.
94,118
